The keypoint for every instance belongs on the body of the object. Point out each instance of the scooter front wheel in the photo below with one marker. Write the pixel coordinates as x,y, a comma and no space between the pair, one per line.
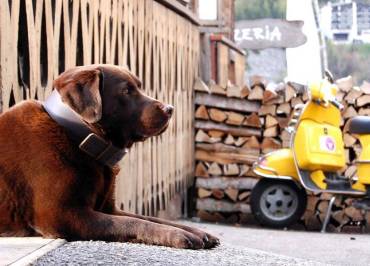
277,203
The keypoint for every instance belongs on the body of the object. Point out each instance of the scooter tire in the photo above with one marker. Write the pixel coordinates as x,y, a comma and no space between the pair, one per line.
259,214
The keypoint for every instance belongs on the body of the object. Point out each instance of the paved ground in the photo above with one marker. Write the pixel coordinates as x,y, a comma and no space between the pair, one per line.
100,253
22,250
338,249
240,246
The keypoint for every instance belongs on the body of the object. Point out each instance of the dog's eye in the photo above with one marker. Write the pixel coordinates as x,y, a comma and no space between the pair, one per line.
124,90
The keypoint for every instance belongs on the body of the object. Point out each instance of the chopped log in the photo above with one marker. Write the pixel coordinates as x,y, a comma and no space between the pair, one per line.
312,202
229,104
240,141
233,91
283,121
277,100
252,143
269,144
243,169
215,169
201,113
226,182
244,195
363,100
365,87
218,193
256,93
271,121
285,135
305,97
244,92
350,171
296,101
217,115
349,112
222,206
231,169
232,193
271,132
229,140
353,94
284,108
258,80
349,140
204,193
253,121
225,158
234,118
235,131
290,93
199,85
353,213
220,147
345,84
267,109
251,174
216,89
201,170
364,111
269,95
216,134
210,217
201,136
340,95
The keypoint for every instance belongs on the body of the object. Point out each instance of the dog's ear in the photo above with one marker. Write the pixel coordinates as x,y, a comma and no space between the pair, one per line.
79,88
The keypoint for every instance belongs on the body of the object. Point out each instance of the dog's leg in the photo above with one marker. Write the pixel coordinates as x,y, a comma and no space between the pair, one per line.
92,225
208,240
109,207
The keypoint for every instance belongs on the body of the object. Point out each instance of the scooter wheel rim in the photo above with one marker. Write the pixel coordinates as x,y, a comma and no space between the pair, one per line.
279,202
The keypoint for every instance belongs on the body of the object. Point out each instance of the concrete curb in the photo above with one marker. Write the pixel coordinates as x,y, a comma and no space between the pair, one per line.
34,255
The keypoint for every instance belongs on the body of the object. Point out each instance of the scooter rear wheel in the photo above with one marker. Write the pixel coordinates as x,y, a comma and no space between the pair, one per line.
278,203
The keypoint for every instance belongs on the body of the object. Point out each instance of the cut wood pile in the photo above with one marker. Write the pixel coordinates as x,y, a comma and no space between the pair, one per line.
235,125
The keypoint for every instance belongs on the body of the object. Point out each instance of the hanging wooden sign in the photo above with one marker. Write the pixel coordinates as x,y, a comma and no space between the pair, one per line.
268,33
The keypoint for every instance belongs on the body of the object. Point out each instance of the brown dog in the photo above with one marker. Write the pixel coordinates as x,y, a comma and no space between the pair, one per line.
51,187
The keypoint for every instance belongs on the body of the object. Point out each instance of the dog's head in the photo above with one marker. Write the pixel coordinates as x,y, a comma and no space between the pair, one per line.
111,98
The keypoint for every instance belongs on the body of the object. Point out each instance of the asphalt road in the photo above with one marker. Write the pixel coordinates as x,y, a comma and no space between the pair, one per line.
240,246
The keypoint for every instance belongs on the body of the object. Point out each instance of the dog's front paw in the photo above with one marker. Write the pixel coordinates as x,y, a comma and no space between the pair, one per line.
183,239
211,241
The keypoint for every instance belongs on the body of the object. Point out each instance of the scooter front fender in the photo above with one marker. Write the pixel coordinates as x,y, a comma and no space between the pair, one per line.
278,164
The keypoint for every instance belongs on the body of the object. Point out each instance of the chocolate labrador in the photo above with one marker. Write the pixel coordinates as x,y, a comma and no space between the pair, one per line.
58,161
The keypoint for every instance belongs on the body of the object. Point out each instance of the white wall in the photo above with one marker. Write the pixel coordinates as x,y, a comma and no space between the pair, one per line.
304,62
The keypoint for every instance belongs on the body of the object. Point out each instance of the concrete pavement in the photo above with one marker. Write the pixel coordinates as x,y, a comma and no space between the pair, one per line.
24,250
240,246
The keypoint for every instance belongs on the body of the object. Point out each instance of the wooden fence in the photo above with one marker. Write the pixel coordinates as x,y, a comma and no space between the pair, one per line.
41,38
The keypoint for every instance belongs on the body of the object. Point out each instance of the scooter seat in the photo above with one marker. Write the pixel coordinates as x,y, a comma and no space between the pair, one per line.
359,125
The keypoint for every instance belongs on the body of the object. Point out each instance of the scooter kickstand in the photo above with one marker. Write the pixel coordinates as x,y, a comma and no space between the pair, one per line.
327,216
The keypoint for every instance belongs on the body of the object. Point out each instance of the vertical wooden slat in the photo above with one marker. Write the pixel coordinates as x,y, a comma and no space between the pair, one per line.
154,42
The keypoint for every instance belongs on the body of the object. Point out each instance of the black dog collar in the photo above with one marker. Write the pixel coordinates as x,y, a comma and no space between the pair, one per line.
92,144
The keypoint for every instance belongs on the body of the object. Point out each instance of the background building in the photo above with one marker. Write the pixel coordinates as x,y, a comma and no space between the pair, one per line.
349,21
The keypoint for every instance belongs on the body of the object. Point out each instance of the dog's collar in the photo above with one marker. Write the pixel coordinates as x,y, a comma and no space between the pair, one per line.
89,142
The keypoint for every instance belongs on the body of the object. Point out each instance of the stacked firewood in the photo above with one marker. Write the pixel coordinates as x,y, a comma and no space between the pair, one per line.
236,125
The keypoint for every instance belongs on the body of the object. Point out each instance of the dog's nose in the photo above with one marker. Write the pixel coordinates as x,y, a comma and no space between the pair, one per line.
168,109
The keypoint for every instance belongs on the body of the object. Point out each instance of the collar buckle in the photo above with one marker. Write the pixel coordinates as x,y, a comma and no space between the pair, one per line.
95,146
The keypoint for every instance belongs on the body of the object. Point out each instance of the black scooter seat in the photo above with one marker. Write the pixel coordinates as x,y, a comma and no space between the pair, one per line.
359,125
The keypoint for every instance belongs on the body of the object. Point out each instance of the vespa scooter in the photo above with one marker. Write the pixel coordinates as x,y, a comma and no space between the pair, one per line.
312,162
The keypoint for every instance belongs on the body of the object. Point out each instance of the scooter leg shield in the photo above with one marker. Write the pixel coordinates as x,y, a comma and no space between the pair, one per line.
277,164
363,162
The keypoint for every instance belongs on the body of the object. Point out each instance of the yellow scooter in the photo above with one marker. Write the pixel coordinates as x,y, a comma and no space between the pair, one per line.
311,163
